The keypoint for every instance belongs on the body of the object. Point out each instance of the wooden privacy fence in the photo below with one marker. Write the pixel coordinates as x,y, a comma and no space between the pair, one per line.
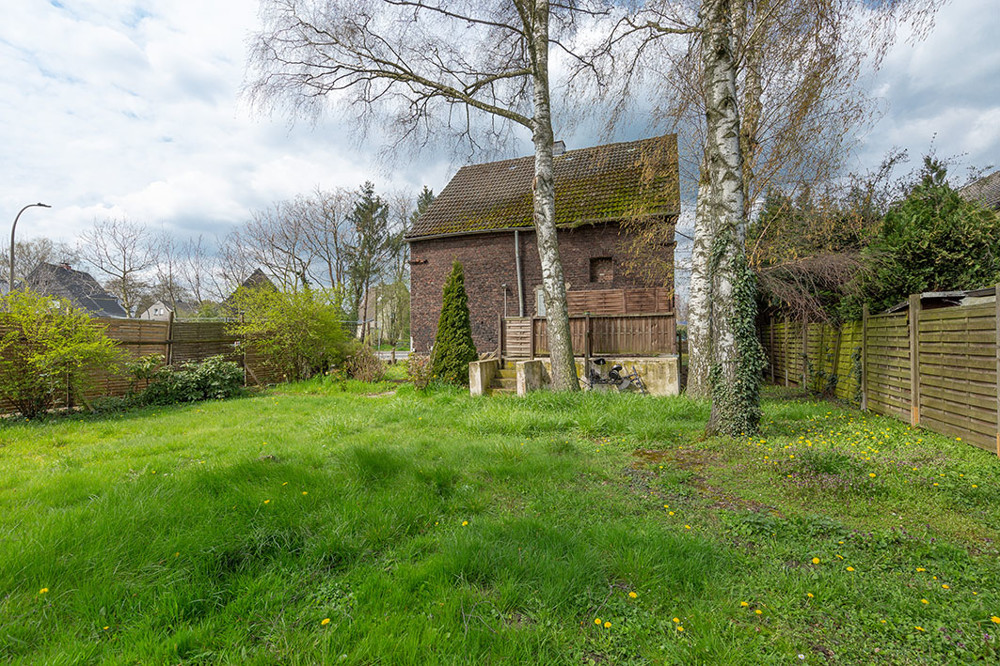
633,335
937,368
176,341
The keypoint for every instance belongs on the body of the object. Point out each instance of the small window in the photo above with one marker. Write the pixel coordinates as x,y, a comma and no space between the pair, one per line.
539,302
601,269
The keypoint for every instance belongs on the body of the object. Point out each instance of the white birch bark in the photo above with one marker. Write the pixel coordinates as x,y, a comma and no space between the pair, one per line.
725,204
556,311
699,298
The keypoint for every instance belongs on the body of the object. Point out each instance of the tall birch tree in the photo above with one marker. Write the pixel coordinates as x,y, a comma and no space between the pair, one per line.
474,69
797,66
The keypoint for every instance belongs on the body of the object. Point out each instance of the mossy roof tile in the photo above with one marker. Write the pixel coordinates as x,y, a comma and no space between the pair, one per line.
609,182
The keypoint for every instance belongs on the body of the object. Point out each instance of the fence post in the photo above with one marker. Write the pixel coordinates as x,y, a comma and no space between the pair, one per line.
170,337
805,354
770,347
864,358
531,338
586,345
914,319
996,294
499,337
788,326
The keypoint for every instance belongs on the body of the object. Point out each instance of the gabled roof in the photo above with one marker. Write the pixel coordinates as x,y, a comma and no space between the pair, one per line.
257,280
602,183
77,287
985,190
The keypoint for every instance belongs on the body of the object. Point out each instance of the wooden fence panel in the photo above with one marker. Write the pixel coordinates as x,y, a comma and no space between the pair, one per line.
888,367
848,370
958,375
633,335
517,337
177,341
954,388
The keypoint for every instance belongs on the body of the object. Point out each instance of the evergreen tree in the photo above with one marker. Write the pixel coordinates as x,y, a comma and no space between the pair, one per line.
369,251
934,240
453,346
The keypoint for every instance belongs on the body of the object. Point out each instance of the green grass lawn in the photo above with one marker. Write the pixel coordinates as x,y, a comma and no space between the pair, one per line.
374,524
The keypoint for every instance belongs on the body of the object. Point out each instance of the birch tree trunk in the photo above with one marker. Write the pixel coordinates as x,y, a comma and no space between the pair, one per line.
699,298
725,204
544,196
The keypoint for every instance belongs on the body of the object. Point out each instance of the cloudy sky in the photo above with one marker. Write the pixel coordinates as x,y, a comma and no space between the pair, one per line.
131,108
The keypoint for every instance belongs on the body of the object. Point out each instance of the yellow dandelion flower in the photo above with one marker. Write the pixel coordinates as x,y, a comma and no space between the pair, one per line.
995,619
809,594
946,587
744,604
677,620
305,492
758,611
680,628
43,590
815,560
464,523
106,628
872,474
267,501
850,568
597,620
919,569
607,625
285,483
325,621
632,595
924,601
919,628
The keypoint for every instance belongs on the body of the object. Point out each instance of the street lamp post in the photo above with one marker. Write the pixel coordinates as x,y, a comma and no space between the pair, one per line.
10,276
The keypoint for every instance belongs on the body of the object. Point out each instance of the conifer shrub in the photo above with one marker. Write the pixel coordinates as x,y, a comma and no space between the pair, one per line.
453,346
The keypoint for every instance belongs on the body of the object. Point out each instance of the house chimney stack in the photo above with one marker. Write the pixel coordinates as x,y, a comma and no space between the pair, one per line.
558,148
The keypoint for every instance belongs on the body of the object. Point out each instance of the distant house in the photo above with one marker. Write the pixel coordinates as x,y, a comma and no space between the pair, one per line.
257,280
986,191
484,219
161,311
77,287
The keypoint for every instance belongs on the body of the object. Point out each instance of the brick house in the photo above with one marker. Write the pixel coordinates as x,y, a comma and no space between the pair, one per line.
483,218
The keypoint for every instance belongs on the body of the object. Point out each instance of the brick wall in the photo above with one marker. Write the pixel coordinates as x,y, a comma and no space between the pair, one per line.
488,260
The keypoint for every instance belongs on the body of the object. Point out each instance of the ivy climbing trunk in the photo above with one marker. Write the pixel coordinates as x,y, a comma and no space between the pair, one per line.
731,301
544,196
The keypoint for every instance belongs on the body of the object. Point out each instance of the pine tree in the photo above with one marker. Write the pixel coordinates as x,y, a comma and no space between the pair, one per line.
453,346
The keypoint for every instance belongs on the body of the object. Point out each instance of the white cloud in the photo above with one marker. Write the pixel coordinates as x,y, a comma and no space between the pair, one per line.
131,108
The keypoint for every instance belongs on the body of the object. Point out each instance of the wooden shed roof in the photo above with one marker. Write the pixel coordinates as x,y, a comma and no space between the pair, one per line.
603,183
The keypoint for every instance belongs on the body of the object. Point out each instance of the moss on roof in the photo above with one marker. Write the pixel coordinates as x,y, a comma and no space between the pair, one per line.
610,182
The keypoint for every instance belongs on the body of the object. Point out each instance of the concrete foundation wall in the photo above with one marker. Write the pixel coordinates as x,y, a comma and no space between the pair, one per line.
660,374
481,373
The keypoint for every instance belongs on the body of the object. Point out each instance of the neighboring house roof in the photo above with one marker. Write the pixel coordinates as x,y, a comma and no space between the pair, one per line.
256,280
985,190
602,183
77,287
181,309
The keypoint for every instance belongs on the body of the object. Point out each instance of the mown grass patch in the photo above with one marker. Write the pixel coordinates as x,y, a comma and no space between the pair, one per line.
354,523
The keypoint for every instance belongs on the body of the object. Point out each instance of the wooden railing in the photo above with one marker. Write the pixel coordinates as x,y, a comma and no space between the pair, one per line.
649,334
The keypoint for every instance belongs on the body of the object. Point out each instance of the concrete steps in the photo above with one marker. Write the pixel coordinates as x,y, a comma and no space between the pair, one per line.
505,381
